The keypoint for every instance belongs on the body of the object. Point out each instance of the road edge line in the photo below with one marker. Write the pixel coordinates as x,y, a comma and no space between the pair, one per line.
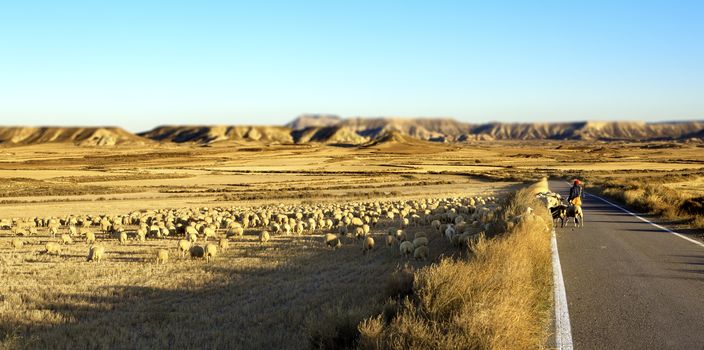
563,330
648,221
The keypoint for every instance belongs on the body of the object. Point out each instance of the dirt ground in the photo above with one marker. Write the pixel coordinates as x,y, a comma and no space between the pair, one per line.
265,296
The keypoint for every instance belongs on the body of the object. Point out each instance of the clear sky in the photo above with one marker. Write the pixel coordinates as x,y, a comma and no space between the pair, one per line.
138,64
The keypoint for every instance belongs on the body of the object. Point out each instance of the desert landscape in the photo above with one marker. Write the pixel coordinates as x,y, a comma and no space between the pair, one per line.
300,242
338,175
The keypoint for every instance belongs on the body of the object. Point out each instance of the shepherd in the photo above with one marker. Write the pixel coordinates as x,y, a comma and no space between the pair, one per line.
576,194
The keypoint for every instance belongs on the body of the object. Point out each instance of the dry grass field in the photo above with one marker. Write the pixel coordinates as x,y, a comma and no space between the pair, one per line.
293,291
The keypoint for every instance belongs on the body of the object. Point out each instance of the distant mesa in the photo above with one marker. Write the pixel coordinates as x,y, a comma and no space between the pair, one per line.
330,135
306,121
333,130
80,136
213,134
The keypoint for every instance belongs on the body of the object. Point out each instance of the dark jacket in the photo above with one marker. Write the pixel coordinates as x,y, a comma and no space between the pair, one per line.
576,191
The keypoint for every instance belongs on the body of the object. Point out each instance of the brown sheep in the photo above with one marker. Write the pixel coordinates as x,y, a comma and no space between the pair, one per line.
197,252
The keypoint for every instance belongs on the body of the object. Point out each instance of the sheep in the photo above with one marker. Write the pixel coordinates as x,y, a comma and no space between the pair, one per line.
368,245
209,232
390,240
123,238
184,246
95,253
52,248
421,253
223,243
575,212
449,232
17,243
359,233
264,237
162,256
332,241
559,213
66,239
420,241
400,235
197,252
211,250
235,231
90,237
406,248
435,224
141,236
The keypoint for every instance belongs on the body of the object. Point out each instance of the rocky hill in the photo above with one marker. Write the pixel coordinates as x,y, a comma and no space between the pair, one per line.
313,120
81,136
211,134
327,129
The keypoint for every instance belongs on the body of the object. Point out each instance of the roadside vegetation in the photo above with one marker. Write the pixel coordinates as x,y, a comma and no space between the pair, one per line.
496,297
652,195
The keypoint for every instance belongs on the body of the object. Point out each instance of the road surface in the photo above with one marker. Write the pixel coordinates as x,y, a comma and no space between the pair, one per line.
630,285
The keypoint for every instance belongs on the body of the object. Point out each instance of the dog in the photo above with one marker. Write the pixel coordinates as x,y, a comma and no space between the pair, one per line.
559,213
575,211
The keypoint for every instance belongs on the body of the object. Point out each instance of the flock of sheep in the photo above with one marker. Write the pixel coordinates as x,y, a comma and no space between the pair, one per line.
204,232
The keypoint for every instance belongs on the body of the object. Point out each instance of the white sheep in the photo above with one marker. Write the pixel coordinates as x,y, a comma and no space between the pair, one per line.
368,245
421,253
332,241
184,246
420,241
96,253
211,250
406,248
224,244
90,237
162,256
66,239
264,237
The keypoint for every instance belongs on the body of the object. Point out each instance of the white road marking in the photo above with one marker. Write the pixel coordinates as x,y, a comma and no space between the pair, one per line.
563,330
648,221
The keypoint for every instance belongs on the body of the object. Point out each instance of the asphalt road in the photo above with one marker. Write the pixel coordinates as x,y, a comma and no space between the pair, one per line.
629,284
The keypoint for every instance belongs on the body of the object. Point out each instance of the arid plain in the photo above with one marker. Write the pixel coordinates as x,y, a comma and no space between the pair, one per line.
293,291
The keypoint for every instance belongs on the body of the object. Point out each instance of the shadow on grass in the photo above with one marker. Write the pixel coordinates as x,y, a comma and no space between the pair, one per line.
240,306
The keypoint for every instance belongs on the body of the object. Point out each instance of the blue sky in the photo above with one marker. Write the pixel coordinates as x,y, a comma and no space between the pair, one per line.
138,64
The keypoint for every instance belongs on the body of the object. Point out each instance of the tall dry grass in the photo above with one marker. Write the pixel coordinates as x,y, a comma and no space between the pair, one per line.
499,298
653,198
